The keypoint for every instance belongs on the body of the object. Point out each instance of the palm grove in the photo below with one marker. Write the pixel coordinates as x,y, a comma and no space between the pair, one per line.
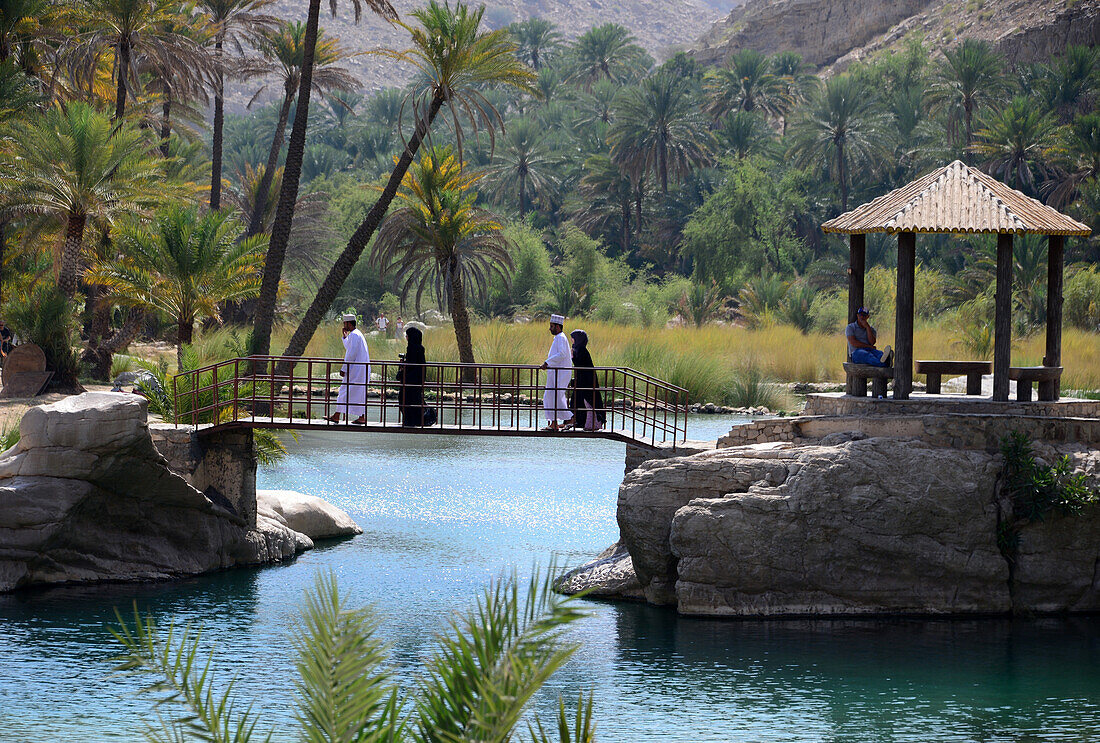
517,172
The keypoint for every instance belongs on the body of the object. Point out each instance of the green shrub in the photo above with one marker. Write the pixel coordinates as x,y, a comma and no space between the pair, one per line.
750,388
9,435
44,317
1081,306
1036,490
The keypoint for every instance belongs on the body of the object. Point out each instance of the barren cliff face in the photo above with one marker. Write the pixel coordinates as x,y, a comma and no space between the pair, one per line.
837,32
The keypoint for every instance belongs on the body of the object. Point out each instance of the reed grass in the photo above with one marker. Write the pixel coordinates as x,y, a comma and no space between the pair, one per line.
707,361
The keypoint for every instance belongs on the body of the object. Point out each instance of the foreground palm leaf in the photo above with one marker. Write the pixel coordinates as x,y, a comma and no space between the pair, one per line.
489,664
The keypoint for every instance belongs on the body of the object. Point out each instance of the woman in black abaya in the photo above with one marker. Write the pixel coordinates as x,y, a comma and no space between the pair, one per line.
411,376
587,400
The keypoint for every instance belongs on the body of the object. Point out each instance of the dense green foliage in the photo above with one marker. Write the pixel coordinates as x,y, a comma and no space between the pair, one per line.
1037,489
625,190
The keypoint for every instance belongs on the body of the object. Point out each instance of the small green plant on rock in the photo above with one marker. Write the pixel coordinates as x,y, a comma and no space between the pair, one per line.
1036,489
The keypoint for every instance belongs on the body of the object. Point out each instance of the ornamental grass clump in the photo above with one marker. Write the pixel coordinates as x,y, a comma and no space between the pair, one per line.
476,686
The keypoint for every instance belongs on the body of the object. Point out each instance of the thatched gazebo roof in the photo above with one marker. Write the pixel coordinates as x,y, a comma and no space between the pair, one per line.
956,199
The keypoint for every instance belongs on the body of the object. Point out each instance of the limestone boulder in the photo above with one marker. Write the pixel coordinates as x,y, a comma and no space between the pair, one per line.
610,575
1056,560
85,496
866,527
306,514
653,492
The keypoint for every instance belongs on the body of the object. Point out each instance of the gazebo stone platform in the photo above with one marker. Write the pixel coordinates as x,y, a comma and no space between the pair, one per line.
838,404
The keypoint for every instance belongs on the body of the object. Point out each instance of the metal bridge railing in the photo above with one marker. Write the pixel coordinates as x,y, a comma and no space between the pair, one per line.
301,392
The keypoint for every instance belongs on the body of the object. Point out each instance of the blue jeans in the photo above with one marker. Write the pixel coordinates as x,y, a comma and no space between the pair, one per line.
868,356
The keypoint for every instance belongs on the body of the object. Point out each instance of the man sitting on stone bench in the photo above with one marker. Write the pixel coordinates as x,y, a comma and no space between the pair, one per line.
861,337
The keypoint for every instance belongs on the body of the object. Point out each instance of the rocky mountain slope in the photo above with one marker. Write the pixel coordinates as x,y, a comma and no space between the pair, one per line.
659,25
836,32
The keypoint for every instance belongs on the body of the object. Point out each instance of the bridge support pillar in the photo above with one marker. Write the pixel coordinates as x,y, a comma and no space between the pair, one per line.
221,464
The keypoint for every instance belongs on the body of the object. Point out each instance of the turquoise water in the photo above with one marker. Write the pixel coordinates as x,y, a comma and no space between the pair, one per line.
444,515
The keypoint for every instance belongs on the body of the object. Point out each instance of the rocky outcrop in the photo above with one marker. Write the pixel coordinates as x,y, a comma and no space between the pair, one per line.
843,527
85,496
306,514
610,575
839,32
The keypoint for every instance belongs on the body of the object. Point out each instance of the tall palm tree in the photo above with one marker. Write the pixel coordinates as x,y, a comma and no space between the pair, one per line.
606,196
1077,153
128,30
185,265
523,162
283,51
292,170
1014,141
1070,84
796,79
745,133
74,165
16,18
235,24
537,40
969,78
746,83
658,129
437,241
455,59
842,128
607,52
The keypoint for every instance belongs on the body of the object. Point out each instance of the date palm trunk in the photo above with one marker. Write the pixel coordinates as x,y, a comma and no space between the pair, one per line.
340,270
165,123
184,334
216,137
288,195
460,317
70,255
256,219
123,70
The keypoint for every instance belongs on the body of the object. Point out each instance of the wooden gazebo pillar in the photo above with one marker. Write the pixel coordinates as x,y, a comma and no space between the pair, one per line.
903,317
857,272
1055,251
1002,323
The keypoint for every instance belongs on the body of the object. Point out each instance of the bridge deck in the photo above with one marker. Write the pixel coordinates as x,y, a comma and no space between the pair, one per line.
297,424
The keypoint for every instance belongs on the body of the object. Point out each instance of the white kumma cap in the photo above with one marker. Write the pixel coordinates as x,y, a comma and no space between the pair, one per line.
349,318
557,319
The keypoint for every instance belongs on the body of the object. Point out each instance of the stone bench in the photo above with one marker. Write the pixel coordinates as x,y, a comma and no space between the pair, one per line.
1046,376
858,374
973,370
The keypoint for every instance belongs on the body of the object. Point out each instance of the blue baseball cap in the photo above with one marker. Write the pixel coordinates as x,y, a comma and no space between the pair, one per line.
863,311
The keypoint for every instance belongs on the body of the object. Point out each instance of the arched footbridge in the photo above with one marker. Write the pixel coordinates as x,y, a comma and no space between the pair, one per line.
301,393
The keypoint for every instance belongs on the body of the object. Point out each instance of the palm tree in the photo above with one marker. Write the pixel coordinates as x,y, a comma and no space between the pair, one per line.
746,83
283,50
606,196
179,85
607,52
523,161
438,241
235,23
970,77
659,130
477,684
292,170
455,59
745,133
1069,85
127,30
842,128
796,79
74,165
16,16
537,39
1077,153
1014,141
185,265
